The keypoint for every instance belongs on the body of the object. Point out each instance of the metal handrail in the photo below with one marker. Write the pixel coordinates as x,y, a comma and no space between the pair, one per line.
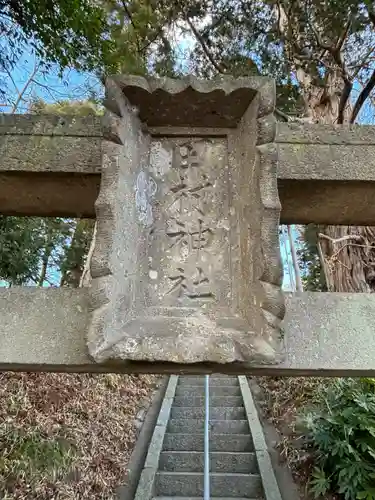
207,439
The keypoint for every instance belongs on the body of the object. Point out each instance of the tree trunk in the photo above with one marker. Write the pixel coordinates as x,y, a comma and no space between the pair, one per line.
349,264
297,273
43,271
75,255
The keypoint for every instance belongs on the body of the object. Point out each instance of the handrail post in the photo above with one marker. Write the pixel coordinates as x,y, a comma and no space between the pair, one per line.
207,439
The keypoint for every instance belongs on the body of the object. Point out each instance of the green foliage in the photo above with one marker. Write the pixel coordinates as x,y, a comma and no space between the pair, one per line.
341,433
139,29
20,249
309,261
33,455
71,33
29,247
66,107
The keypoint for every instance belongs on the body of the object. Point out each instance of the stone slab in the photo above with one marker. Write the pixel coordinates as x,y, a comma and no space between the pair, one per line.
56,171
186,265
46,195
190,461
326,161
43,153
218,442
327,183
51,125
314,133
326,334
221,101
223,484
146,481
43,326
327,202
270,486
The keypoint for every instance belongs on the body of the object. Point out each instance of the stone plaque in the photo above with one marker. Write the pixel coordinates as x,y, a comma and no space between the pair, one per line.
186,265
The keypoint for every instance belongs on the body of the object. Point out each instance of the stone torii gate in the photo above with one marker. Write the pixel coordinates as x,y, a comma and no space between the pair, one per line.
188,181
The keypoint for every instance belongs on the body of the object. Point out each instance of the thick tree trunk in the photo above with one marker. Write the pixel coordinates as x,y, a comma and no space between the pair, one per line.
349,263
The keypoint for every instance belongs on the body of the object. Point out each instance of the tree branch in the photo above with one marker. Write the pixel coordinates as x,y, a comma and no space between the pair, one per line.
153,39
25,87
282,115
344,36
336,53
355,237
366,91
130,17
219,67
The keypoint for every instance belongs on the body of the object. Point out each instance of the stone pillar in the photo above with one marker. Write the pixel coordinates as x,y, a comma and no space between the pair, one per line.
186,265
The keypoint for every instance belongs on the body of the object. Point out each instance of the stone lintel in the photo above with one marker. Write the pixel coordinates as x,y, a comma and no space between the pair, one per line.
326,173
326,334
316,133
51,125
189,101
323,166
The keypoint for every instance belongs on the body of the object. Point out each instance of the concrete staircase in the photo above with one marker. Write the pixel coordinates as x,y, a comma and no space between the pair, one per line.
174,468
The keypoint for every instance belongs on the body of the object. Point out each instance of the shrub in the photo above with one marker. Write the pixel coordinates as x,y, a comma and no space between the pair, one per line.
340,429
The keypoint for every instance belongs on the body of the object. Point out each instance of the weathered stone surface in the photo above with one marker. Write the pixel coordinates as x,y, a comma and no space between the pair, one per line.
186,265
219,102
330,332
326,183
331,162
32,153
308,133
51,125
342,185
327,202
53,336
43,194
43,327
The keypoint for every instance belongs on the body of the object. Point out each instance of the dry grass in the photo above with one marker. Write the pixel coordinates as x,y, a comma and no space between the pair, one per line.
67,436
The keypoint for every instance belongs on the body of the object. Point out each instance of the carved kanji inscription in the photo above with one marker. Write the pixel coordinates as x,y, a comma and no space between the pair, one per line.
190,227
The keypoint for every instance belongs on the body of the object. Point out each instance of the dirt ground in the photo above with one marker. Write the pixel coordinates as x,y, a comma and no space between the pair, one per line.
68,436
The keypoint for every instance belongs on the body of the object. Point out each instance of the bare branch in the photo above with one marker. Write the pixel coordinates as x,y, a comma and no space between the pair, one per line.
282,115
325,269
319,39
363,62
355,237
25,87
219,67
366,91
344,36
12,79
153,39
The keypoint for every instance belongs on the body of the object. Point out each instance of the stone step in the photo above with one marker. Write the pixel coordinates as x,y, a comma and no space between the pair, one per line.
200,498
193,461
186,381
191,484
218,442
184,425
216,391
215,401
230,413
